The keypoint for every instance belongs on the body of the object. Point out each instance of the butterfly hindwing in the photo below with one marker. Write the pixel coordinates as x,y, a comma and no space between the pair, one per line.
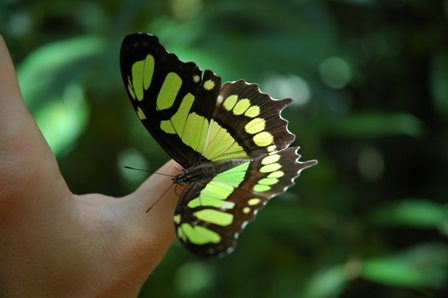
213,212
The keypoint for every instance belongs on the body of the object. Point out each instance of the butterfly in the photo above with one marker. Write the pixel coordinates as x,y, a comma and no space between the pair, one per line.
230,140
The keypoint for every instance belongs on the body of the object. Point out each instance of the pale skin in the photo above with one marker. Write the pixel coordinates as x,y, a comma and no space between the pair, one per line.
54,243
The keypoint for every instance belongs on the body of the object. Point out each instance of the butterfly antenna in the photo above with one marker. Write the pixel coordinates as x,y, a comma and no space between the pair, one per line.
146,171
149,209
175,190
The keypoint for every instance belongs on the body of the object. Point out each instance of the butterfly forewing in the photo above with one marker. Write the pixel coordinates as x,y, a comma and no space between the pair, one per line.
253,118
164,92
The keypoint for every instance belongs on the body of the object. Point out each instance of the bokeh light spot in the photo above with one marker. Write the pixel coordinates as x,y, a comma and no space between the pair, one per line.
370,163
335,72
288,86
132,158
186,9
193,277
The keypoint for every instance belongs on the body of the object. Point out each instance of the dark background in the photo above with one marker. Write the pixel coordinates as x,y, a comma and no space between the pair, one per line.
370,84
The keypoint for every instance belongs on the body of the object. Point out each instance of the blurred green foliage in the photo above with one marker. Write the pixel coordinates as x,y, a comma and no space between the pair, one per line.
370,83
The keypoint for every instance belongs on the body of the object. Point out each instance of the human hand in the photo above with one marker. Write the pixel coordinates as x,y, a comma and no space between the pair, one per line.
57,244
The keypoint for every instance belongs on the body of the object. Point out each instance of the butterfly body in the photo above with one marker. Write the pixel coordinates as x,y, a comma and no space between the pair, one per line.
204,171
231,141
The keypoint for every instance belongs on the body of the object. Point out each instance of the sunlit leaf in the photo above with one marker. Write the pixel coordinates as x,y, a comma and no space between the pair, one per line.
63,119
326,283
393,271
47,71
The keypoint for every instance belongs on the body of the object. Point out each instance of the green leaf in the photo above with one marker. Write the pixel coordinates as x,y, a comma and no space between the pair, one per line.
391,271
421,266
374,125
49,82
413,213
47,71
63,119
439,85
326,283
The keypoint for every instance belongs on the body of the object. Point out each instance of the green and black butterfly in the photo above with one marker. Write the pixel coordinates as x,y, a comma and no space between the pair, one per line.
230,140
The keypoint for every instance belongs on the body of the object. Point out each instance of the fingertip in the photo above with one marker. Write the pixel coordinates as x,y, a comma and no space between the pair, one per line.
160,195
